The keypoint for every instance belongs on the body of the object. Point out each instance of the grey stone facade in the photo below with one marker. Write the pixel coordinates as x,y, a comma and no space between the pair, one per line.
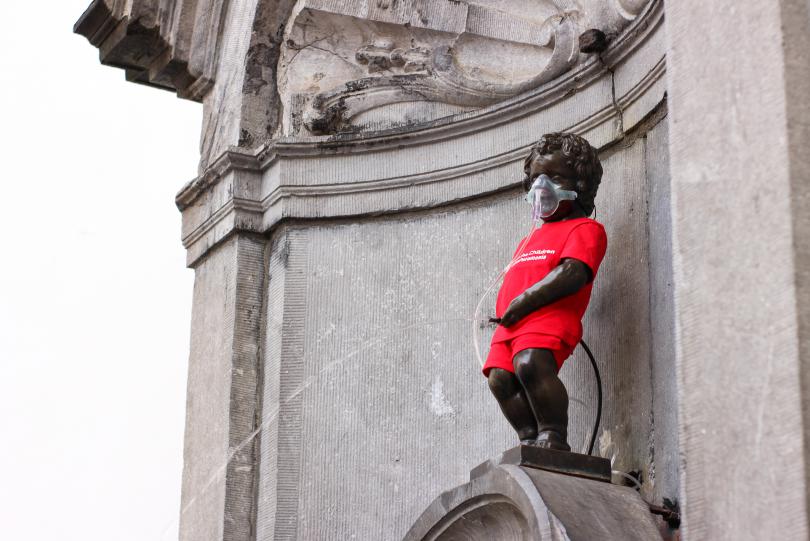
741,268
358,192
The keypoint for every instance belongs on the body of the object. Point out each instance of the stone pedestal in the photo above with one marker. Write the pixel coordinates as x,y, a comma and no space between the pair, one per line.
510,502
585,466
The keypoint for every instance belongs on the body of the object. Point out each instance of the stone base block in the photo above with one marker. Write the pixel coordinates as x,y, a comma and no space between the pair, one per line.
589,467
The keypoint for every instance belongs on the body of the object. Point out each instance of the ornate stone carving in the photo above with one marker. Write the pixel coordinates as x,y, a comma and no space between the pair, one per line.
465,54
382,55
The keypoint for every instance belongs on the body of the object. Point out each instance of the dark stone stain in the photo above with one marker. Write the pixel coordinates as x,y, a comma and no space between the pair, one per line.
331,120
245,138
358,85
259,55
259,83
593,41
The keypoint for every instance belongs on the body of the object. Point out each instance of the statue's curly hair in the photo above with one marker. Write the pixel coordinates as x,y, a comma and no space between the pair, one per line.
580,156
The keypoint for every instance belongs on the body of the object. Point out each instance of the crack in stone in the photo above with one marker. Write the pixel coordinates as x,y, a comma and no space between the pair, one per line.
295,47
616,106
333,53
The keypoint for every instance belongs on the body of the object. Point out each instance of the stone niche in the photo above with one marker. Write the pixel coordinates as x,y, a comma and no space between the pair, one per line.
382,238
367,65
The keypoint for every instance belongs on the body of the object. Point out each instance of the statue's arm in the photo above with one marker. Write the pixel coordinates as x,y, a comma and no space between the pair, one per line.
565,279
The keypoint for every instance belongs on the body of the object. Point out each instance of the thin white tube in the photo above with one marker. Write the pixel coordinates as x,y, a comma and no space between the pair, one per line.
634,481
628,477
476,328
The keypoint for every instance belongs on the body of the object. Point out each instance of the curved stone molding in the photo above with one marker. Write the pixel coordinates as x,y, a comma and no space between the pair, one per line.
502,504
453,159
629,9
513,503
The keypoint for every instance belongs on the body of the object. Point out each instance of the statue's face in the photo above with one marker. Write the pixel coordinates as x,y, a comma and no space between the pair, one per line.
554,165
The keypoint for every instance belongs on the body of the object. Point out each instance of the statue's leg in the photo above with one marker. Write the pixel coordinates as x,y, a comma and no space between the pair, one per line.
536,369
509,394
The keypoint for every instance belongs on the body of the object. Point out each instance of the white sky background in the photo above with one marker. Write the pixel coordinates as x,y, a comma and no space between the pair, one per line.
95,299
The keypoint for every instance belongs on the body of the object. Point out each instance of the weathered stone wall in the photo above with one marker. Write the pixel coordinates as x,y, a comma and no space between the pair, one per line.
223,400
207,403
741,187
664,450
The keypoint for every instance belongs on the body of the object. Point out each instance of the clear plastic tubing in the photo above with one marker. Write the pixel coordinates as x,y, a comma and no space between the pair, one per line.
476,327
628,477
634,481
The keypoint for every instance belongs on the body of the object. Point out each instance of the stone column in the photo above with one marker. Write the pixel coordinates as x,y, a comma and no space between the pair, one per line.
738,82
222,402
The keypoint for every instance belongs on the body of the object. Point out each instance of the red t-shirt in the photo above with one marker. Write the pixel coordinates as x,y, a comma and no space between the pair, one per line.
582,239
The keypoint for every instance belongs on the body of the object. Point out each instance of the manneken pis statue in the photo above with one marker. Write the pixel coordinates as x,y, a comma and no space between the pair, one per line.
546,290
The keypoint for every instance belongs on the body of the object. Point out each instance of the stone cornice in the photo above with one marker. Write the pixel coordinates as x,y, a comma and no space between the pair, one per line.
168,44
234,159
395,171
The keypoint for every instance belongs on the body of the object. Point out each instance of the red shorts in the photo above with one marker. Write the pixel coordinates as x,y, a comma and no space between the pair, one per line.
501,353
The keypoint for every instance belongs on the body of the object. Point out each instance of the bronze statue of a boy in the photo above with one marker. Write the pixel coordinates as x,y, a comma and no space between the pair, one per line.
546,290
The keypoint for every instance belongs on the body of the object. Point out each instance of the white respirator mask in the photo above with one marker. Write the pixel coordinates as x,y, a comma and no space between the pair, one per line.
544,196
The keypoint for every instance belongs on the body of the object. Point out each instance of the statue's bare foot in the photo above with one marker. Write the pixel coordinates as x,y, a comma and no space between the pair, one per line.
549,439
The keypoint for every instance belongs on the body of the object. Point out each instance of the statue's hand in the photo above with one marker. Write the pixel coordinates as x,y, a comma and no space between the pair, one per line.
515,312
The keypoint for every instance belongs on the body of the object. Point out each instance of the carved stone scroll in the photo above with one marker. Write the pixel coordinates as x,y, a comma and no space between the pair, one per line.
466,54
